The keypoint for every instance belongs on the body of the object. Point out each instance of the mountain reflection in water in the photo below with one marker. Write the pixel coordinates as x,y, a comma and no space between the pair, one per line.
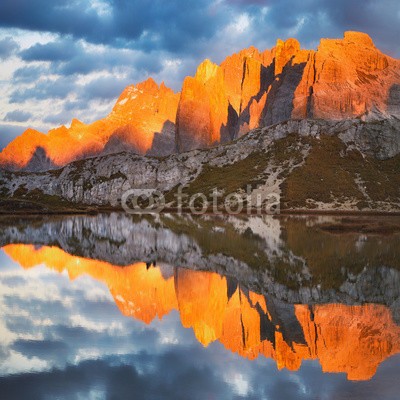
288,289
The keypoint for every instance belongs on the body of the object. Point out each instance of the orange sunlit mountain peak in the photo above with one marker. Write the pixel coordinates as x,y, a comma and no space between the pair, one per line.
141,111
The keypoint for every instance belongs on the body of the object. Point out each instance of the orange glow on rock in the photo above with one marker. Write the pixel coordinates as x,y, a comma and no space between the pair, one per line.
139,113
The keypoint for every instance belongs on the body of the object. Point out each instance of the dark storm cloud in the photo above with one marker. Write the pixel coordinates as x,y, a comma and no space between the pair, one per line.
43,90
53,51
184,27
174,375
35,307
44,349
84,62
380,19
102,89
58,16
28,74
17,116
105,88
8,46
313,19
74,105
97,308
68,57
171,25
120,381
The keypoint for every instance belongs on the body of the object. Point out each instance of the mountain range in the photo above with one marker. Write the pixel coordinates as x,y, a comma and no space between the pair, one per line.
342,79
317,129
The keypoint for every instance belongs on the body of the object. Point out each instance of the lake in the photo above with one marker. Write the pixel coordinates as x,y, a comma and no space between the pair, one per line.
118,306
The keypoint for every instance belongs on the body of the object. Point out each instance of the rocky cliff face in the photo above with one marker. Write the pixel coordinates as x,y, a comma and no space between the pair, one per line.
356,160
143,113
342,79
203,109
215,105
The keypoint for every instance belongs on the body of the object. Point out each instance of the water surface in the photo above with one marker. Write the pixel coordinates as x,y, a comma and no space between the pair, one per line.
116,306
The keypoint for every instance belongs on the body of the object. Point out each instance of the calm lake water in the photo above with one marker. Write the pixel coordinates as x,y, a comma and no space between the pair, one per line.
156,307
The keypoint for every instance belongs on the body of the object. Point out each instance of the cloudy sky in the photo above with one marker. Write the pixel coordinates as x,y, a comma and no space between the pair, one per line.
71,58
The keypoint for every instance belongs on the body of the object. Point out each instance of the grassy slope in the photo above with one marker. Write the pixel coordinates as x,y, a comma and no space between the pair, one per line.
247,172
329,174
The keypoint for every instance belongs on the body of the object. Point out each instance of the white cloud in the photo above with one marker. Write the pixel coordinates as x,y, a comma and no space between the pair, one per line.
18,363
297,28
78,320
241,24
239,382
26,38
102,8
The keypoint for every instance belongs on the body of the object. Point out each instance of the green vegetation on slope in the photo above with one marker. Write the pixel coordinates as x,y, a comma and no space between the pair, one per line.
331,174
